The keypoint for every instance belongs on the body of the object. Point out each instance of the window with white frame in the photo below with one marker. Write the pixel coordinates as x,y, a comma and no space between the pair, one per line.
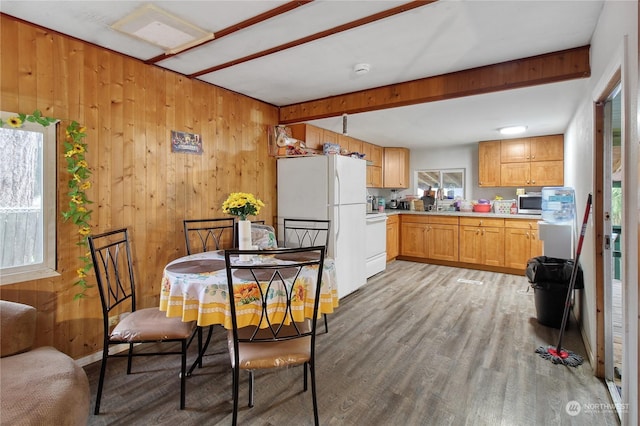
27,201
450,181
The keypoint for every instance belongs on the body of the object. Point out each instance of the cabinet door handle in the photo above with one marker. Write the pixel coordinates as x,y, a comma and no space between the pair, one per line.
527,234
533,182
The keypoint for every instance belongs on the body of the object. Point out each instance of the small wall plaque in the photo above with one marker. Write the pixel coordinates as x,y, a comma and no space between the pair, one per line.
189,143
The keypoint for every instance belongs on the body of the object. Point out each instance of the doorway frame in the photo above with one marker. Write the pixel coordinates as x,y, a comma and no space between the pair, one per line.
598,210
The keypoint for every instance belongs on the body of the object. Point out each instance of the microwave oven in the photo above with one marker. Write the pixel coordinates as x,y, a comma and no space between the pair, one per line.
530,203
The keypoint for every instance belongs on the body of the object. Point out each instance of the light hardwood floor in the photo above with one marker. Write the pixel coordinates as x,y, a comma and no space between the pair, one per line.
419,345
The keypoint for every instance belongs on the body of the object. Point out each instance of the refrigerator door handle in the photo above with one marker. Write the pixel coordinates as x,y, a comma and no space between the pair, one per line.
336,192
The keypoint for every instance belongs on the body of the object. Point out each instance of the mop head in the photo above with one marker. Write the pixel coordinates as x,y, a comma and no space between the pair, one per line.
561,356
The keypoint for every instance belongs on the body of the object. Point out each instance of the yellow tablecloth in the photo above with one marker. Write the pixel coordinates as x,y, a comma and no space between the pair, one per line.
195,288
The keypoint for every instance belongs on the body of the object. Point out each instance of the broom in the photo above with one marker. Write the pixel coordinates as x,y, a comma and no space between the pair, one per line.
557,354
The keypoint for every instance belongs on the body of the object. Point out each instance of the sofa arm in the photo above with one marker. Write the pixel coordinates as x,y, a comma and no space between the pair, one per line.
17,327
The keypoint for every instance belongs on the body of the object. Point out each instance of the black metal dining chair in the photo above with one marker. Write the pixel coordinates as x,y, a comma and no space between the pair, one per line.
282,341
305,233
209,234
202,235
112,262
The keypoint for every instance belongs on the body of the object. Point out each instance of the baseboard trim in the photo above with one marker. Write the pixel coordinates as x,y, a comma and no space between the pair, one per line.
97,356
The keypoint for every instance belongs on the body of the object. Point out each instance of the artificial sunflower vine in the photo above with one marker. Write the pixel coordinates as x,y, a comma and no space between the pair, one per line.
75,150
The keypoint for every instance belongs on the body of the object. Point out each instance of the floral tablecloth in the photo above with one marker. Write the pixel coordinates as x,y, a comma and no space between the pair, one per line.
195,288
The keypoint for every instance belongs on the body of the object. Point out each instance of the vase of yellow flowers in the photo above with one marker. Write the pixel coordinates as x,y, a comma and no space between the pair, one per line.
243,204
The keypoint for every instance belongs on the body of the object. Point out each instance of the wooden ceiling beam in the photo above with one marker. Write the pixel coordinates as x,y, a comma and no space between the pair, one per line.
287,7
317,36
542,69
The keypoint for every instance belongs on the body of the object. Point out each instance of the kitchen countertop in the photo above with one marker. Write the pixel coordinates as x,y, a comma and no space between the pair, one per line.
466,214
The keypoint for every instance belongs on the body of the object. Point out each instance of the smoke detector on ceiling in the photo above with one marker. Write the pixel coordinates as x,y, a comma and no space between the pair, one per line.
361,69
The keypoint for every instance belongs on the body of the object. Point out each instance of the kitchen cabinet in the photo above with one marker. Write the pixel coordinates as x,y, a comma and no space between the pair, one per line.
396,168
515,150
521,242
540,173
488,158
547,173
311,135
350,144
482,241
547,148
373,155
393,237
535,161
431,237
413,236
330,137
442,238
374,177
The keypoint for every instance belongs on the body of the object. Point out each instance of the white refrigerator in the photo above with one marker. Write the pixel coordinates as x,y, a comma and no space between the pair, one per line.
329,187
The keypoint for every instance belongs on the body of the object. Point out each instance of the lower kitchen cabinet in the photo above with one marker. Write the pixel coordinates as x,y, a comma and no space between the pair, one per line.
393,237
521,243
482,241
413,237
443,240
431,237
491,243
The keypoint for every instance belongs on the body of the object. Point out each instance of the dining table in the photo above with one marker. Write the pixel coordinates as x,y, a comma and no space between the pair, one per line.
194,288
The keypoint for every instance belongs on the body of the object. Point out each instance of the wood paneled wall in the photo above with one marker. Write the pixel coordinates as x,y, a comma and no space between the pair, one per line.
129,109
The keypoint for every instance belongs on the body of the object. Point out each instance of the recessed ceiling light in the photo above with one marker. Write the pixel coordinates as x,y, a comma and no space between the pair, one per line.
158,27
512,130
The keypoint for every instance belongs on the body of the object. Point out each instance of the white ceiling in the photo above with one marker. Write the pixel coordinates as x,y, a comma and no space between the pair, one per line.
433,39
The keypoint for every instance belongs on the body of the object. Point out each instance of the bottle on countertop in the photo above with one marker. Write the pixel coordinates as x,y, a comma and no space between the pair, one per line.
514,208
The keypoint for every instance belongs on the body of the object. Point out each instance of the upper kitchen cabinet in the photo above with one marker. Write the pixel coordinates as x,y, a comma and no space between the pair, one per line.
488,156
541,148
373,155
330,137
312,136
536,161
515,150
396,168
350,144
547,148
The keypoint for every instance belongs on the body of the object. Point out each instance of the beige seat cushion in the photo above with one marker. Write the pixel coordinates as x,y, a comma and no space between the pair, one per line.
18,327
262,355
151,324
43,387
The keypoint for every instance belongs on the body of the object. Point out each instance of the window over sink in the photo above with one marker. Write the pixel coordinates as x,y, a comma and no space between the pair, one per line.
450,181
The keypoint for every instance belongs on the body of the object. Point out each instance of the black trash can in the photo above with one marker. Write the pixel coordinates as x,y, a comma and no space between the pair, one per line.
550,279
